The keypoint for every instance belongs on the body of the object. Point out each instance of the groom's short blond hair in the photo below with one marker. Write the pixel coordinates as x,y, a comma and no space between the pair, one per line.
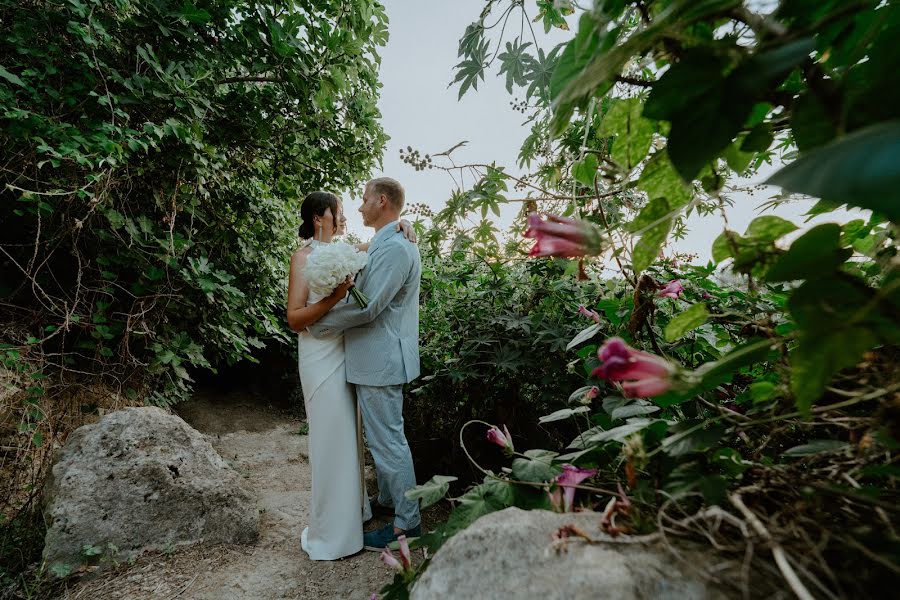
391,188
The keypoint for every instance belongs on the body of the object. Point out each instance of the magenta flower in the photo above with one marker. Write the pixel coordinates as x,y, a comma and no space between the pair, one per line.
592,393
590,314
563,495
563,237
705,296
387,557
405,558
374,596
501,438
642,374
673,290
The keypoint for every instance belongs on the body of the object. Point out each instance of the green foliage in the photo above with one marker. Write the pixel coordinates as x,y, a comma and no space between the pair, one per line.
156,155
651,110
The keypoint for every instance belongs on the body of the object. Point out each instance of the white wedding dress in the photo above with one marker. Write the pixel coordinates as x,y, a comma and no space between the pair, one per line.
339,503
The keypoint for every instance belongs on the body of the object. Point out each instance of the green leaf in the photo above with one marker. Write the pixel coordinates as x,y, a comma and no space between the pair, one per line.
514,62
11,78
839,318
684,84
633,410
768,228
762,391
656,221
815,252
719,371
584,170
60,571
564,413
810,123
815,447
477,502
632,132
431,491
737,159
686,439
693,317
860,169
537,466
759,139
618,434
584,335
660,180
195,15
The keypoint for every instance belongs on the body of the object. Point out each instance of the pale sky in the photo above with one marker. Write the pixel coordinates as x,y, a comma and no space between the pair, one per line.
419,110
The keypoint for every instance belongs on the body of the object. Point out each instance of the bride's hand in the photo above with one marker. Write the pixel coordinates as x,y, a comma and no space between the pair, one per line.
408,230
341,290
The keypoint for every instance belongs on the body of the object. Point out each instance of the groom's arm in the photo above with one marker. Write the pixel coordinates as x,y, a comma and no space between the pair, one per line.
388,267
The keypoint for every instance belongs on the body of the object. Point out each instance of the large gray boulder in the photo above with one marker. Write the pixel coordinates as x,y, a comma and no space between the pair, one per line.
141,479
508,554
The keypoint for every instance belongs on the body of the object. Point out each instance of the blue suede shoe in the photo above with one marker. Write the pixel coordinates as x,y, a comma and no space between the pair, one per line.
378,539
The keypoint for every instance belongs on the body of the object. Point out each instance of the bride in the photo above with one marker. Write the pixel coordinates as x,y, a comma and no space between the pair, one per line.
339,503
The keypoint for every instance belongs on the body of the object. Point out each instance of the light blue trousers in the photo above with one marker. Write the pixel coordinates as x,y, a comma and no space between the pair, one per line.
382,413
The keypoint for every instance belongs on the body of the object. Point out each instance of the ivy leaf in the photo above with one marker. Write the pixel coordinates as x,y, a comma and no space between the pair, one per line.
477,502
431,491
860,169
693,317
537,466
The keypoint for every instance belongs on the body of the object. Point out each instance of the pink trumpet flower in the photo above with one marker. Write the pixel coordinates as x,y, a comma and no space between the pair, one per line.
563,495
643,374
405,558
563,237
501,438
673,290
590,314
592,393
387,557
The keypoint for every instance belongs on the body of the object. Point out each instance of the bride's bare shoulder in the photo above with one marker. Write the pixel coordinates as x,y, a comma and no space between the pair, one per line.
300,254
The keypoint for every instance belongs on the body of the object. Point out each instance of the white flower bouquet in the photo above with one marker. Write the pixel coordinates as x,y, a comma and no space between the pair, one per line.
330,264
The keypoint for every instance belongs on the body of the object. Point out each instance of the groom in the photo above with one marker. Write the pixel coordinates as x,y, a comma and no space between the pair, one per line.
381,343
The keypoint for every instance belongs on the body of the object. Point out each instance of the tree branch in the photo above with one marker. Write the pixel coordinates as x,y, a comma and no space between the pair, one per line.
634,81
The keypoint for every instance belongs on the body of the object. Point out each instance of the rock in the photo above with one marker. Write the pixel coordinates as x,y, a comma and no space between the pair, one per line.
141,479
508,554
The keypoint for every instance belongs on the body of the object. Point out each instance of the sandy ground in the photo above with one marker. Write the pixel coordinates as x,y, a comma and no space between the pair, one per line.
264,446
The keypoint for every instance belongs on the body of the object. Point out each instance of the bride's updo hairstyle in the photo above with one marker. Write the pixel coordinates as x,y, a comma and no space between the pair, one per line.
315,205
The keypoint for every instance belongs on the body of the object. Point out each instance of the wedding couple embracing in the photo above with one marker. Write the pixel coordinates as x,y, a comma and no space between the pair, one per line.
356,353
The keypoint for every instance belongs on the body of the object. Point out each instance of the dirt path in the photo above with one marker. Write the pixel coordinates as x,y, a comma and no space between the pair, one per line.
264,446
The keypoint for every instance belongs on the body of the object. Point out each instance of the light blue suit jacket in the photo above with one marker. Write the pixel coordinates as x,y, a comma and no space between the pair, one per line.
381,341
